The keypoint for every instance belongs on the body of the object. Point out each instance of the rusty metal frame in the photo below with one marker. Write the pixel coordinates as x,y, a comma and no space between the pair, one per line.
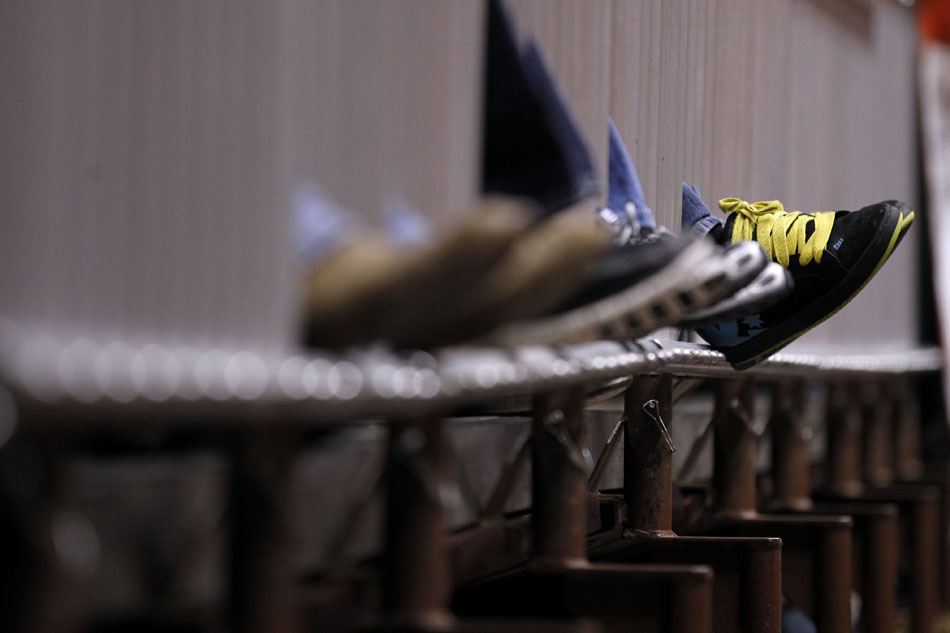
416,577
910,469
559,581
263,403
860,427
262,576
874,531
791,484
647,466
747,583
817,567
47,595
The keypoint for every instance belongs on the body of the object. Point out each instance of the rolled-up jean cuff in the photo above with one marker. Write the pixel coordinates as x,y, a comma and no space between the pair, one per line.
705,225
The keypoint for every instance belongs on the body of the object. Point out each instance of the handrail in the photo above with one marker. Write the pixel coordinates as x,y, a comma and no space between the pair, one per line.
51,375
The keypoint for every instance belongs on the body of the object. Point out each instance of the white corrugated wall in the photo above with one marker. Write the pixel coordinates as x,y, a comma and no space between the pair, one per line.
151,149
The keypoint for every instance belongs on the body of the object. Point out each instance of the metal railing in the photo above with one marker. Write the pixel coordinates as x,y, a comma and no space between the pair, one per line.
51,375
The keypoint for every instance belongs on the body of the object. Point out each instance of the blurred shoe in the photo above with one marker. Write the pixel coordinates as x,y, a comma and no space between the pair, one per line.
768,287
634,224
544,266
831,256
638,287
773,283
371,288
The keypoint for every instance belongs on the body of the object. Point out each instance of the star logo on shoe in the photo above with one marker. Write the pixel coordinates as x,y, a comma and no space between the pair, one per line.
724,333
750,325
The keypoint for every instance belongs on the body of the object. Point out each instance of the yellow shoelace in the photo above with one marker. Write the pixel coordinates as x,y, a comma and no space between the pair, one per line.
780,233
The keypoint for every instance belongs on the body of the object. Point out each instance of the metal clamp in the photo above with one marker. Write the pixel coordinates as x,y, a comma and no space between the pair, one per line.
593,482
651,408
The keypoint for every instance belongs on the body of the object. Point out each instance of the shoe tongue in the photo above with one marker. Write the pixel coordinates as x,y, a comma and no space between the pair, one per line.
838,229
809,230
723,234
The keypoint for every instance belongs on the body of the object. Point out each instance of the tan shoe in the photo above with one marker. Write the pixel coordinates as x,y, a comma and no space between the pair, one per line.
544,266
372,290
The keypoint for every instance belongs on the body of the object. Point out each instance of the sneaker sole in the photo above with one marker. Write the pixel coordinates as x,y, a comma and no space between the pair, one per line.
697,277
892,229
745,261
772,285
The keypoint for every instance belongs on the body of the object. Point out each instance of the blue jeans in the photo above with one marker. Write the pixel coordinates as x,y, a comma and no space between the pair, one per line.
531,145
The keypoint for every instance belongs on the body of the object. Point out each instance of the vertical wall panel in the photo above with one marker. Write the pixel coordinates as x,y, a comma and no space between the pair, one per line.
384,103
652,70
628,89
144,138
152,151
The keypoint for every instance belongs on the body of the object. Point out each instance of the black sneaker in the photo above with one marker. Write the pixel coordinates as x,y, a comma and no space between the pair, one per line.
831,256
